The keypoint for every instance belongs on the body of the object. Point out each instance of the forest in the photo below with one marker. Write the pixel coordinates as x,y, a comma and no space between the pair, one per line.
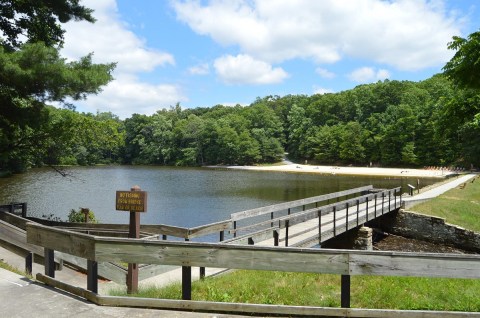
389,123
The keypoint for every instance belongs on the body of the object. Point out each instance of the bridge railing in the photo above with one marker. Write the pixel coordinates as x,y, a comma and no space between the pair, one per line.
367,203
345,263
357,212
258,218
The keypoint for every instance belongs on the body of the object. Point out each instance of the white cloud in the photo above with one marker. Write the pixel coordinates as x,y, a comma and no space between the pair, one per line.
201,69
126,95
368,75
325,73
111,41
405,34
322,91
243,69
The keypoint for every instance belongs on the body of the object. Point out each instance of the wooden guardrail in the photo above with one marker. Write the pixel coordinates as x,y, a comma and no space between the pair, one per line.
187,254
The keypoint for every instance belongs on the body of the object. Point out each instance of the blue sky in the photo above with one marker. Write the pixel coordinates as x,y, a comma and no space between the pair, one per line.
204,53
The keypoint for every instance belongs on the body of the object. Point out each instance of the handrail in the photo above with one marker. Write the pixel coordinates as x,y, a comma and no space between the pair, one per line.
291,204
313,213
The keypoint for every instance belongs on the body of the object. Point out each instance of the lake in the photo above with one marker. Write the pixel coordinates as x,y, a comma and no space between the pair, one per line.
176,196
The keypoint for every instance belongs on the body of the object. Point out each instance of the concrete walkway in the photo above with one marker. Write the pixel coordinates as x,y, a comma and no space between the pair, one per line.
436,191
22,298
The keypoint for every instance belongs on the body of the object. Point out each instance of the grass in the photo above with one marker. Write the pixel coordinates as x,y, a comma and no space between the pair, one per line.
301,289
11,268
458,206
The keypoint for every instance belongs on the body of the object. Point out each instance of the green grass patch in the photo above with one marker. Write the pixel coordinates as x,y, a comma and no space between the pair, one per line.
305,289
458,206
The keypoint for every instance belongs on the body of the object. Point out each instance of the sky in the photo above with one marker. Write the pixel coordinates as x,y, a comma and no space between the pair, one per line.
204,53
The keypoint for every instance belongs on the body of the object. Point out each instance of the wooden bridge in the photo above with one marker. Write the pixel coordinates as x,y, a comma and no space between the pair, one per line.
312,221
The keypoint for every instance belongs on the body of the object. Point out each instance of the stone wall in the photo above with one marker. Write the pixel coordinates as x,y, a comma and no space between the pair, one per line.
359,238
428,228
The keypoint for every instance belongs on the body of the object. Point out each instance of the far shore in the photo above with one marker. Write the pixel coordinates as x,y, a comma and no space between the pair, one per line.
361,171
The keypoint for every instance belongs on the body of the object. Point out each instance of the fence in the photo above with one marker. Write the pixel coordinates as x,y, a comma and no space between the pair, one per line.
187,254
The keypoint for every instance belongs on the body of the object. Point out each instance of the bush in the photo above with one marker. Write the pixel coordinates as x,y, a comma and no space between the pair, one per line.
77,216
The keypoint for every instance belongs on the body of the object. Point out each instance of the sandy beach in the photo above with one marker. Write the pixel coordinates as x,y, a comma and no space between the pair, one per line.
370,171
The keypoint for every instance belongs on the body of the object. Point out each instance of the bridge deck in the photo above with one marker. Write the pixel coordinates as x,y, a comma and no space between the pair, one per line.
303,230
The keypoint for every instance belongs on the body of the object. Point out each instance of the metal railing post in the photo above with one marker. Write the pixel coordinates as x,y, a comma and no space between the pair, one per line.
358,210
346,217
335,221
287,222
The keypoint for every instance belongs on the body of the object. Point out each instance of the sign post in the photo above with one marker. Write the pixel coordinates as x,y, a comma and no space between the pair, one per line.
134,201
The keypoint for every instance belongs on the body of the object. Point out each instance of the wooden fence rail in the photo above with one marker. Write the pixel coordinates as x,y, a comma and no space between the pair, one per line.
188,254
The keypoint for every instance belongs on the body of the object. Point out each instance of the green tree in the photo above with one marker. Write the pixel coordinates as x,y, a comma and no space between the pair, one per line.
464,67
38,20
30,77
32,73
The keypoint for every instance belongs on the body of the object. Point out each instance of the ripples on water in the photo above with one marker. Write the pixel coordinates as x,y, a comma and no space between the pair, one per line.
176,196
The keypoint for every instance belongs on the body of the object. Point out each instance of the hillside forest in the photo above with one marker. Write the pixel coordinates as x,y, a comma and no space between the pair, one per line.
389,123
434,122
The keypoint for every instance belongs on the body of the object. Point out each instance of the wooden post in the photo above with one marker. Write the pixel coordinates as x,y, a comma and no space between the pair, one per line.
276,237
49,262
85,211
186,283
24,210
345,291
235,228
134,232
202,273
92,276
29,263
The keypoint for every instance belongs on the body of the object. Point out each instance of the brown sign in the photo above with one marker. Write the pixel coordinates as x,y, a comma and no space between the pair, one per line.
134,201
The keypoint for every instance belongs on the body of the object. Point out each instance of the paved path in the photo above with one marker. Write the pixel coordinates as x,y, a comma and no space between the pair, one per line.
436,191
22,297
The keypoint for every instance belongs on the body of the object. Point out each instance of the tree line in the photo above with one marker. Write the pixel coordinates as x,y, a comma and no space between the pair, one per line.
388,123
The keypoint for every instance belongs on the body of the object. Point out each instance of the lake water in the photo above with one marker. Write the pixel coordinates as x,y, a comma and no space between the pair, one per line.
176,196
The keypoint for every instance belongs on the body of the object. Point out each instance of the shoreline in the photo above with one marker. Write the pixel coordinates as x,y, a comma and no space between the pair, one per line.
341,170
